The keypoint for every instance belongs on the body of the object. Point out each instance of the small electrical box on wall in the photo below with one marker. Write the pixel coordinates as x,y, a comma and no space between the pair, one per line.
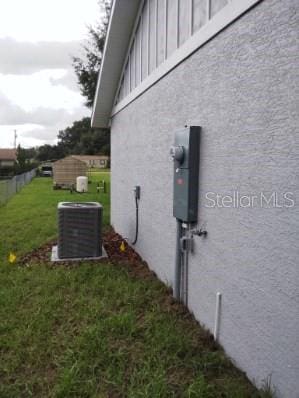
185,154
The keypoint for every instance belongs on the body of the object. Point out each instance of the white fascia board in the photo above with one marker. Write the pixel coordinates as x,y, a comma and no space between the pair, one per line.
123,15
233,10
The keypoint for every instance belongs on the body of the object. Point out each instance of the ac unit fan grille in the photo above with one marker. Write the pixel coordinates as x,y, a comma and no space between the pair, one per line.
79,228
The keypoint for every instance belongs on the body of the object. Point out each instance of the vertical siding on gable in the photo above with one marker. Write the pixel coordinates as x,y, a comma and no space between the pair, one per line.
127,80
132,65
217,5
172,13
199,14
152,41
184,20
138,56
144,29
164,26
161,32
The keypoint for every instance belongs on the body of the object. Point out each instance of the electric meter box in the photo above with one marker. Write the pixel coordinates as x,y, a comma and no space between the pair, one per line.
185,153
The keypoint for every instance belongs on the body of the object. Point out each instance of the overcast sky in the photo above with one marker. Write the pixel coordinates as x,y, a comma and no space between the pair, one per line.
38,91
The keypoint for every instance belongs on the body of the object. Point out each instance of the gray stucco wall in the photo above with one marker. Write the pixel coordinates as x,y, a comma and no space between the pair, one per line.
241,88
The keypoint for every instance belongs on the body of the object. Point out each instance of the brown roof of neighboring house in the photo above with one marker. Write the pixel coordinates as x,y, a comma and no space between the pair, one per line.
8,154
91,157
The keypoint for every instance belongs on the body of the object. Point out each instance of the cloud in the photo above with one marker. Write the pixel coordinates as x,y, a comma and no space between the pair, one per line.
46,121
47,20
69,80
28,135
8,110
13,114
40,135
37,89
39,93
19,57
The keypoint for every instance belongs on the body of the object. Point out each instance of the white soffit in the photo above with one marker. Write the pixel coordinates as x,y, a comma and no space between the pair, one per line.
123,15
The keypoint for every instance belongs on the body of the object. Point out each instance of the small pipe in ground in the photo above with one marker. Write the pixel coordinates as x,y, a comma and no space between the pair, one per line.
217,316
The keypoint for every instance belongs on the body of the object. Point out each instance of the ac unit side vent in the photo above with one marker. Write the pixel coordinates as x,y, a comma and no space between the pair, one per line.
79,230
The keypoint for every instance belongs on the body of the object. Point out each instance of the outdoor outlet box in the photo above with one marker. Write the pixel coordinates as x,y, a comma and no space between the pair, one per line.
185,154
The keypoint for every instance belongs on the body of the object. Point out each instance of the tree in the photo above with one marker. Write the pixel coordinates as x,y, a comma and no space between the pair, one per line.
50,152
81,139
25,161
21,156
87,68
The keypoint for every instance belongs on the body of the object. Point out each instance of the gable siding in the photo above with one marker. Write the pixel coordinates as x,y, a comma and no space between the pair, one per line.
163,27
172,26
199,14
184,20
152,35
161,37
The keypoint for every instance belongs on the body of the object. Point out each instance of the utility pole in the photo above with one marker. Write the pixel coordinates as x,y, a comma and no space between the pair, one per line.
15,140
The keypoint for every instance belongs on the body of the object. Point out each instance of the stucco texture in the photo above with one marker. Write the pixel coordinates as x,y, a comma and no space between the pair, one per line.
242,88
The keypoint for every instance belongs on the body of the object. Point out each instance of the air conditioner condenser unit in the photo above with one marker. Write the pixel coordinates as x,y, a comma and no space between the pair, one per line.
79,230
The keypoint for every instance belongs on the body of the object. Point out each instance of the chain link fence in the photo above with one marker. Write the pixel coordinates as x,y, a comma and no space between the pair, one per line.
10,187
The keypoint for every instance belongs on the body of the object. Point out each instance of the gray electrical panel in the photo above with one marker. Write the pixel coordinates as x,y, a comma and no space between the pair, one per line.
185,153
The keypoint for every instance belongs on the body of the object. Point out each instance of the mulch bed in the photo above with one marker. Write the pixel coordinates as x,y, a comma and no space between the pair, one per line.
112,243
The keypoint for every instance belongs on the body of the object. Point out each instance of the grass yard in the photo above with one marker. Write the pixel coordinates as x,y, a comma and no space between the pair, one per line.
94,330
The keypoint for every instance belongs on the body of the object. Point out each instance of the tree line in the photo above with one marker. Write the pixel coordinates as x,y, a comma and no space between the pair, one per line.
79,139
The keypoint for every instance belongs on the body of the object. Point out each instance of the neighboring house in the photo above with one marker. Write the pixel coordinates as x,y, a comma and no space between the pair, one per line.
8,157
230,67
66,171
99,161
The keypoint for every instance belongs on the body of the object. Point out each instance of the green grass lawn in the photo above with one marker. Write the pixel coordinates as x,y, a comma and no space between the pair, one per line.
29,218
95,330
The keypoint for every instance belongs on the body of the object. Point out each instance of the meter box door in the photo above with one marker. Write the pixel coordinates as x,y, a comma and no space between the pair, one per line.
185,153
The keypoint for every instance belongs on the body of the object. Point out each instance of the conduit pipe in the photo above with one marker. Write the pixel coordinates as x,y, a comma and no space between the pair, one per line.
186,246
178,261
183,246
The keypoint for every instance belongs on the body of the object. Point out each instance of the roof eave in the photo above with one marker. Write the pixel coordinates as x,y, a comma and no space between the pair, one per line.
123,15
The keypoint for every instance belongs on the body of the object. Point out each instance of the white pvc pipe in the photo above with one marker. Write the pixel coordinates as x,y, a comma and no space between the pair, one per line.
217,316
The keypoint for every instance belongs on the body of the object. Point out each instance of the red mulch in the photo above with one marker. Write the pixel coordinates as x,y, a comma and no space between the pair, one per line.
39,255
111,241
